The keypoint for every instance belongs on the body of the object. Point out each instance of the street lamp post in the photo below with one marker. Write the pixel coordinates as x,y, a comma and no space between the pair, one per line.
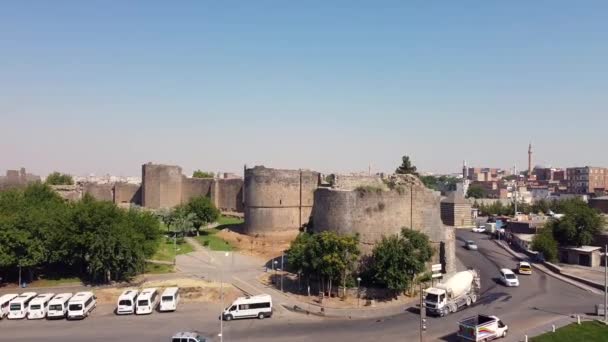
282,269
606,284
174,248
358,291
275,263
222,301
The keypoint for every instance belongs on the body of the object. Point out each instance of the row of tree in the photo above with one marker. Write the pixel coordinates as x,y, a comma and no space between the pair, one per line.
330,258
577,227
542,206
95,240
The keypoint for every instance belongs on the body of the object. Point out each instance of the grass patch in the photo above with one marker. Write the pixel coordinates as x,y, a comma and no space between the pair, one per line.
166,250
229,220
56,282
209,239
590,331
158,268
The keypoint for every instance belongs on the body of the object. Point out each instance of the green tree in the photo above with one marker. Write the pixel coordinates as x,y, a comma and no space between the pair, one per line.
202,174
204,211
406,167
57,178
476,191
440,183
579,225
545,244
397,259
327,256
182,222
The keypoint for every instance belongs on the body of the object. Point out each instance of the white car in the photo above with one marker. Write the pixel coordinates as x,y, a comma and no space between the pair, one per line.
479,229
508,278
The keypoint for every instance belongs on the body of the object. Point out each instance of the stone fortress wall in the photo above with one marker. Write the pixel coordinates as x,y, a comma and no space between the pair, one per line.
163,186
278,200
372,210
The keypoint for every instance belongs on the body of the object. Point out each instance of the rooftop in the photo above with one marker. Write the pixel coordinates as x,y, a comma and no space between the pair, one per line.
585,249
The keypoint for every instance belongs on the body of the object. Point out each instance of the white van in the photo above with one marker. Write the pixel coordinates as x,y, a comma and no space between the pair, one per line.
4,303
146,301
126,302
169,299
39,305
248,307
58,306
18,306
81,305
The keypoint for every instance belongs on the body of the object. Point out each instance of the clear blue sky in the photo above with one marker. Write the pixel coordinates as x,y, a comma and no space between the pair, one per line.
104,86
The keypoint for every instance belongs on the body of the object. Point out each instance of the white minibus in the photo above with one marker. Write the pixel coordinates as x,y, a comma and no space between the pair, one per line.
58,306
146,301
81,305
169,299
4,302
18,306
39,305
248,307
126,302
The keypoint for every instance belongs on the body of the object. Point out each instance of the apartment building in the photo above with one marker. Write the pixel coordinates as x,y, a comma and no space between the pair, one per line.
587,179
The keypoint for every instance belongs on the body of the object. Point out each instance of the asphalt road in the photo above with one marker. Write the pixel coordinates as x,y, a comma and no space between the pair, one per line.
539,300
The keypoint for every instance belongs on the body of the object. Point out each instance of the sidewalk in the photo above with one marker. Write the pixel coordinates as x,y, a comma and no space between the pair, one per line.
563,276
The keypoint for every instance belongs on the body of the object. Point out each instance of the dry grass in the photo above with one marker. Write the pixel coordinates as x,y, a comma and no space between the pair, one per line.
192,290
266,246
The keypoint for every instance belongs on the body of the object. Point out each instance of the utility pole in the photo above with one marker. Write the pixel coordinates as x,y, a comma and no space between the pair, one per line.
606,284
422,314
282,269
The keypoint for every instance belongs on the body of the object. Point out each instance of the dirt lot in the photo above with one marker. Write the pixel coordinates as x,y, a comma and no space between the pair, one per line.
267,246
290,285
192,290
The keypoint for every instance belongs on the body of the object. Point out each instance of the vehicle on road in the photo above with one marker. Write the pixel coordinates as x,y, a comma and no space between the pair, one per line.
169,299
508,278
126,302
460,290
479,229
146,301
470,245
18,306
4,303
81,305
189,336
524,268
249,307
481,328
58,306
39,305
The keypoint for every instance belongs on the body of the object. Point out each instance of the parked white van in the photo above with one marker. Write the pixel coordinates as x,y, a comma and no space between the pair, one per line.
247,307
81,305
58,306
4,303
18,306
39,305
126,302
169,299
146,301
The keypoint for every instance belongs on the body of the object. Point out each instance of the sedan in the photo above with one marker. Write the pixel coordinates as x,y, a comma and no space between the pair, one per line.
470,245
479,230
508,278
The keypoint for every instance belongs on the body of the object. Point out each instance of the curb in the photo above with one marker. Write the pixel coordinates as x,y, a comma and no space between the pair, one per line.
549,272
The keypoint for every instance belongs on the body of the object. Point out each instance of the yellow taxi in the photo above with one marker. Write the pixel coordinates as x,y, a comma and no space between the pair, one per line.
524,268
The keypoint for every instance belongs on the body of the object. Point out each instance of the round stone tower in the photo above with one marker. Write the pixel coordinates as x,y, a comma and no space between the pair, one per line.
161,185
278,200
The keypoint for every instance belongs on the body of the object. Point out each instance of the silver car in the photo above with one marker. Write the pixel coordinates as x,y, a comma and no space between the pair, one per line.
470,245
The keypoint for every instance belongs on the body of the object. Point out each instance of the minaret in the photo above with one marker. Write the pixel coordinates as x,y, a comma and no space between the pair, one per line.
530,160
465,170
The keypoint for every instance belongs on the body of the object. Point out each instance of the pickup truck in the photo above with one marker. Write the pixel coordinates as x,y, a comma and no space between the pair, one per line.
481,328
189,336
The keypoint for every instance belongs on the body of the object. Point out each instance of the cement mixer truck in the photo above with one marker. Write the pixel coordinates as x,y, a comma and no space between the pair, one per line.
459,290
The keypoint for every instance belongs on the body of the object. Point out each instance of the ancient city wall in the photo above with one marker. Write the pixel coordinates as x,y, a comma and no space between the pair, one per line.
351,182
127,193
278,200
194,187
100,192
229,194
376,213
161,186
